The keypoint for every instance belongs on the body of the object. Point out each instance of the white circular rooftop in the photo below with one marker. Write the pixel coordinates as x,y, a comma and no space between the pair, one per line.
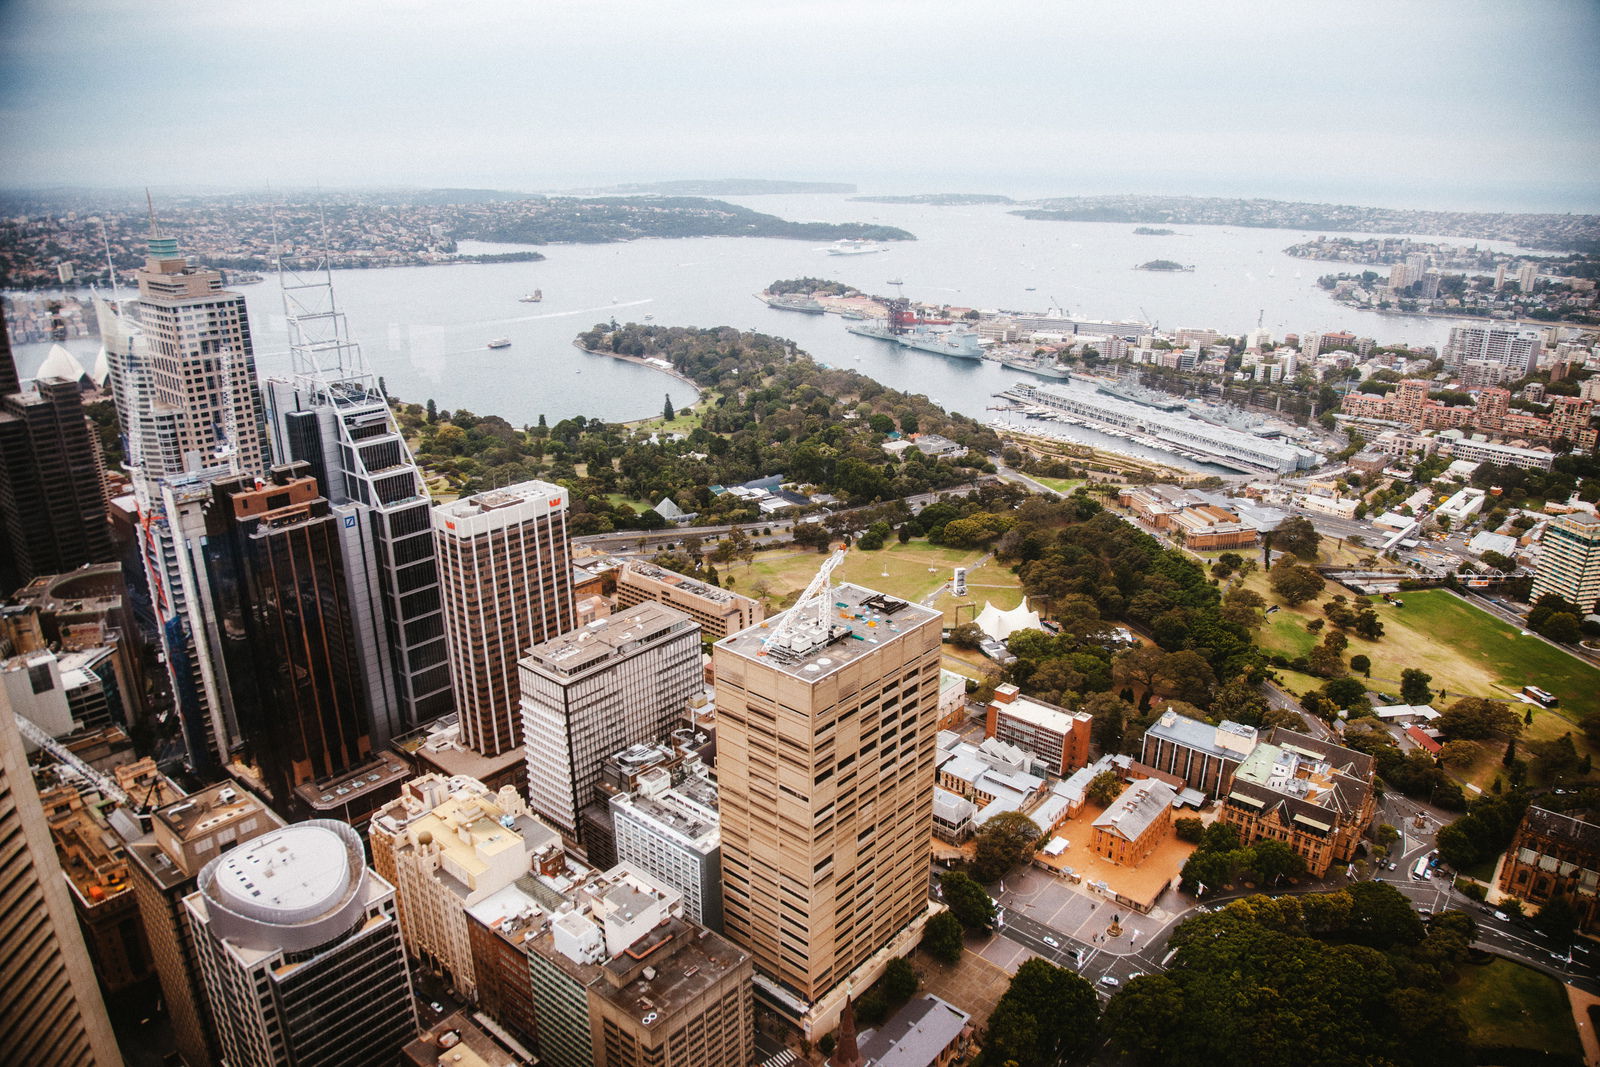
290,876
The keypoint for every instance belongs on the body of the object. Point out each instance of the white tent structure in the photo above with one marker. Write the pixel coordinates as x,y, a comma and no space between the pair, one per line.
1002,624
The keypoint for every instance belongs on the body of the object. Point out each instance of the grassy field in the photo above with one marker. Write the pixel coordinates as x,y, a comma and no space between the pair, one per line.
993,582
1468,652
786,571
1060,485
1508,1005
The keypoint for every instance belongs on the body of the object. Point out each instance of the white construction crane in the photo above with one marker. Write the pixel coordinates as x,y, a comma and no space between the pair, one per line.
107,785
807,622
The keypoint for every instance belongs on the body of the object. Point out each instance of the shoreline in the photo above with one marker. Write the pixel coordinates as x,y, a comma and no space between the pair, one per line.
641,361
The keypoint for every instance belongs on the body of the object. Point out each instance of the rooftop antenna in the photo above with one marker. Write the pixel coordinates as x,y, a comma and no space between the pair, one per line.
155,231
111,269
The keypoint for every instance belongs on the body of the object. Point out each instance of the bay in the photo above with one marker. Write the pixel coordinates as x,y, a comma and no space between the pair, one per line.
425,329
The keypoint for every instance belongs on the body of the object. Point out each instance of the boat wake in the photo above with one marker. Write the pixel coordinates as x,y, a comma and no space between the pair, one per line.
569,314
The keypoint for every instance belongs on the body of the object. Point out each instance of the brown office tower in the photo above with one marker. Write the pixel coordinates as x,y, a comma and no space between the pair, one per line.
506,580
164,863
50,1007
282,622
52,489
827,717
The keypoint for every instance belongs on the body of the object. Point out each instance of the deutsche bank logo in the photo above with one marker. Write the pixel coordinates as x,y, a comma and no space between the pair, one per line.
349,521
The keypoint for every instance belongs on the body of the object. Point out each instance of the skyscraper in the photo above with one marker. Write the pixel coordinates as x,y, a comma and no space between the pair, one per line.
826,724
52,487
50,1007
620,680
1569,561
331,414
506,581
300,952
182,373
164,865
280,620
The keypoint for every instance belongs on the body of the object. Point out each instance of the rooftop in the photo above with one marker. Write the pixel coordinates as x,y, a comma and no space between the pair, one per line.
915,1036
297,872
682,582
1227,739
606,639
855,621
1139,805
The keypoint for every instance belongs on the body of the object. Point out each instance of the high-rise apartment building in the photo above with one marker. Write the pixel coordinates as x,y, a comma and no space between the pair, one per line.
51,1010
505,577
1515,349
826,735
719,612
620,680
1569,561
164,864
446,844
331,414
281,627
52,481
300,952
622,979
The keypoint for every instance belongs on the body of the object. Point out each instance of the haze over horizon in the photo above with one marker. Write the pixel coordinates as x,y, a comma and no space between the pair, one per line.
1454,106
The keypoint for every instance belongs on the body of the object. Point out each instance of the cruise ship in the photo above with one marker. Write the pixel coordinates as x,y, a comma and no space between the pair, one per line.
853,247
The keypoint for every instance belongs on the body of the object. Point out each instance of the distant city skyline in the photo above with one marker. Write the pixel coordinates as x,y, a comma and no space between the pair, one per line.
1467,106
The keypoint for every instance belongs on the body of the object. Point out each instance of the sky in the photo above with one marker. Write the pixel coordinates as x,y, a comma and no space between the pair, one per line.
1464,105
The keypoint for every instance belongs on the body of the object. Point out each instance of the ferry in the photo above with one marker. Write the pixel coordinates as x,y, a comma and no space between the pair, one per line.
500,342
533,297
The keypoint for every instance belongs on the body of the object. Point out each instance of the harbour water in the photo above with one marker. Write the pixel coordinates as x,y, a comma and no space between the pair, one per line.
425,329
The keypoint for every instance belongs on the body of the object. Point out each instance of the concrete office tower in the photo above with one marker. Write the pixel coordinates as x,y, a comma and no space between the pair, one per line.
300,952
506,580
1517,350
451,843
164,865
1569,561
719,612
52,481
330,413
826,736
621,680
50,1007
670,831
621,978
282,631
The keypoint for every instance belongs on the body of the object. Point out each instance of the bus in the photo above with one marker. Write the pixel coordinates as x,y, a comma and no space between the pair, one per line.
1539,696
1421,870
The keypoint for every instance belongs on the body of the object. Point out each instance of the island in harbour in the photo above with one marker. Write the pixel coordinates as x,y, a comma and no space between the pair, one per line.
1153,231
1164,264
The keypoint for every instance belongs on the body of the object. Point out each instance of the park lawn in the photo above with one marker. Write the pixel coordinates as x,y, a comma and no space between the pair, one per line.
787,571
1481,655
1060,485
638,506
993,582
684,424
1507,1005
1547,725
1468,652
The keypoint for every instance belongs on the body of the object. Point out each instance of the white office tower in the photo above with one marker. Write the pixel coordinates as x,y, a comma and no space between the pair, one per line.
330,413
1514,349
183,378
621,680
300,952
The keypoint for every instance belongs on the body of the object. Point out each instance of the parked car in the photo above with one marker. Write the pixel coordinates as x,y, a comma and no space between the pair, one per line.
1107,980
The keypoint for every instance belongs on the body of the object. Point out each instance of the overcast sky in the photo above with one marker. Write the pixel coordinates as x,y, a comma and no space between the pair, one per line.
1459,104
